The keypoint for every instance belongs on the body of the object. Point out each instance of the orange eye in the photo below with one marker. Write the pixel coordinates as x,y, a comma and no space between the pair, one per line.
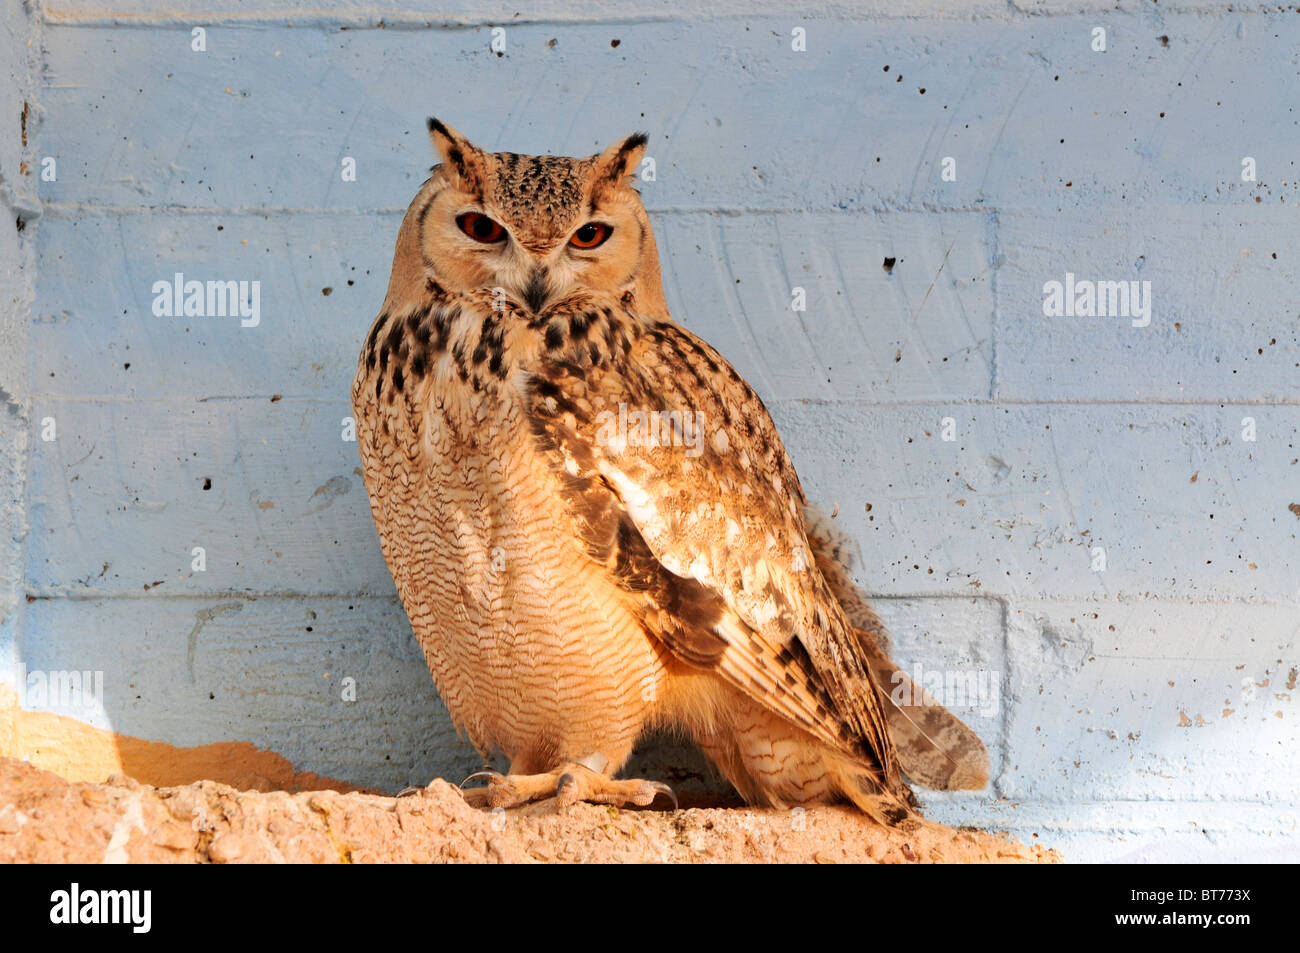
480,228
590,235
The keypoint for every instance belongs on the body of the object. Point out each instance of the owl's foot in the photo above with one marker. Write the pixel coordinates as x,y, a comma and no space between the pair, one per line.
568,784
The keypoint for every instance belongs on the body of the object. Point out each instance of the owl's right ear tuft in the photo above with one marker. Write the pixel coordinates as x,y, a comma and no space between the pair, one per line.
463,157
620,160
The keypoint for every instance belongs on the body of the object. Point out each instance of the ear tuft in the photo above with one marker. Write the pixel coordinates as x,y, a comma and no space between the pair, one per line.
464,158
620,160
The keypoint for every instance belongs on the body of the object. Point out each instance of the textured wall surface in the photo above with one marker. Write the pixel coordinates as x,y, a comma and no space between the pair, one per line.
1099,516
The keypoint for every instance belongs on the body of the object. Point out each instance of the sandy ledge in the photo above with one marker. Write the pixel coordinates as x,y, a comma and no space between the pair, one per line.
45,819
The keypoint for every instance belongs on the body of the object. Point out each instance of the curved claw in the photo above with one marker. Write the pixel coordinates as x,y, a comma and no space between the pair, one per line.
660,788
566,789
408,792
485,773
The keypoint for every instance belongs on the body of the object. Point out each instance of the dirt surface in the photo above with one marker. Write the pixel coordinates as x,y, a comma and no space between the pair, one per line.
45,819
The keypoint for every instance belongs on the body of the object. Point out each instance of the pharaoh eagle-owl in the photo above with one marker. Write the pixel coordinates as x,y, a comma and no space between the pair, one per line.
592,522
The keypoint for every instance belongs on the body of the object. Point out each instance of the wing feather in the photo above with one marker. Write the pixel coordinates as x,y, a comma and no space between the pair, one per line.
677,480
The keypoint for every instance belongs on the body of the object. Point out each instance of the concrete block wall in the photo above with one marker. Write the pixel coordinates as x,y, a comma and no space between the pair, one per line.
1102,515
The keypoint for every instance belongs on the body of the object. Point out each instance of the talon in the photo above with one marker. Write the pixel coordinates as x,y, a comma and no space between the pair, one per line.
407,792
491,775
660,788
566,789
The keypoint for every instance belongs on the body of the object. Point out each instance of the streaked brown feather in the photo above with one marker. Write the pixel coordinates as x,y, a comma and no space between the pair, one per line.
720,535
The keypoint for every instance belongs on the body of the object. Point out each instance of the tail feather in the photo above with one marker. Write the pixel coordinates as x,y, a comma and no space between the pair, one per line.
935,748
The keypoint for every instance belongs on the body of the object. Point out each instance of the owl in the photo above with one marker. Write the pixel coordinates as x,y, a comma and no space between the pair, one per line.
591,520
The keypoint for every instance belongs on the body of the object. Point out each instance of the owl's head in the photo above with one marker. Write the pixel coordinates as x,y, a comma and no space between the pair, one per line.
540,227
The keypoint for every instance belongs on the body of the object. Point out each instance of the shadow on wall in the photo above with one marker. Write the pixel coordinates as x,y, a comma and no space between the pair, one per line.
237,690
79,752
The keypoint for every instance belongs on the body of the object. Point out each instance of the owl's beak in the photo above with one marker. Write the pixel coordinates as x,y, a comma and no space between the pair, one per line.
538,291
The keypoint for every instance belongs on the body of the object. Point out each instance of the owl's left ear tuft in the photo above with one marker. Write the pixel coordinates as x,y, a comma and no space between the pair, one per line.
620,160
465,158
